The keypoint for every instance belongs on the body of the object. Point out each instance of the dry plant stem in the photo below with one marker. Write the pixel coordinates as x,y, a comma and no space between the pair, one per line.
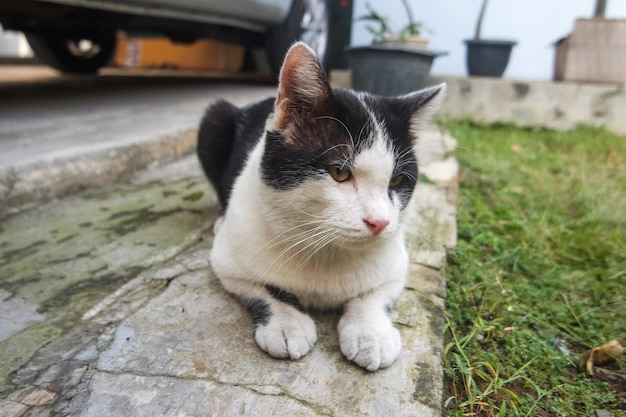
409,15
603,355
479,24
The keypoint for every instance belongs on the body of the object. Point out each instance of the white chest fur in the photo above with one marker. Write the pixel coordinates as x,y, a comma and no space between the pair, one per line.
261,243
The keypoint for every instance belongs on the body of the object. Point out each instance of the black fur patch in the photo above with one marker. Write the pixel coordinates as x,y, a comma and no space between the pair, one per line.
388,309
284,296
226,137
317,140
312,140
259,311
396,114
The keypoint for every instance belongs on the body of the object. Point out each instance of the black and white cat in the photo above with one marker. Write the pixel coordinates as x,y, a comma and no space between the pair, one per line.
314,183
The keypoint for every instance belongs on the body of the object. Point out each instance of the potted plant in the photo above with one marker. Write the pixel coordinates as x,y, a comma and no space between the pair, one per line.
382,34
394,64
487,57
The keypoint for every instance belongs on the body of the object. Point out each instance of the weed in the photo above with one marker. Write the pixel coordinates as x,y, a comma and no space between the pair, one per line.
539,273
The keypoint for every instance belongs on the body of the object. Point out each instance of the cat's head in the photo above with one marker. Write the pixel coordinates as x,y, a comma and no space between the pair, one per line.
340,163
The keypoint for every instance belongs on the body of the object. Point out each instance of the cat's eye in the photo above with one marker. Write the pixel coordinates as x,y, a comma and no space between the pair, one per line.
339,174
396,181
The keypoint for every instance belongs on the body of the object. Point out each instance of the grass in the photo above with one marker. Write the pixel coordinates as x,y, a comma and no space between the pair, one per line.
539,273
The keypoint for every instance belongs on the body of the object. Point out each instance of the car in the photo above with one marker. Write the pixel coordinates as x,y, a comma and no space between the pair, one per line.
79,36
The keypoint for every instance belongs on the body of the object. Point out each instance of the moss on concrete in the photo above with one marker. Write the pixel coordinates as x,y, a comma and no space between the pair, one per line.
17,350
424,376
66,255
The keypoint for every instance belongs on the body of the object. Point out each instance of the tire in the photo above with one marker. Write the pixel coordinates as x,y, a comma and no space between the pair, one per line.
76,54
308,21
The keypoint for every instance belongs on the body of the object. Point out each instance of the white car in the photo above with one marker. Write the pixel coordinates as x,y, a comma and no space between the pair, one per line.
80,35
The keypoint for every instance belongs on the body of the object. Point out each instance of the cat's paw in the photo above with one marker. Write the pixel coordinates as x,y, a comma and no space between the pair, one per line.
287,334
370,344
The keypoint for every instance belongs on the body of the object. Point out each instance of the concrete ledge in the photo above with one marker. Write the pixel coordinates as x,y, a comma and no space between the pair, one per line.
96,168
90,132
554,105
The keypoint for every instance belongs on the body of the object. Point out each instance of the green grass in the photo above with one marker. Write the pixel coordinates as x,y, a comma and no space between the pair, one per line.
539,273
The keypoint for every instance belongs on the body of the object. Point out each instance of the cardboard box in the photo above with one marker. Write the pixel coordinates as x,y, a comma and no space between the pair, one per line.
163,53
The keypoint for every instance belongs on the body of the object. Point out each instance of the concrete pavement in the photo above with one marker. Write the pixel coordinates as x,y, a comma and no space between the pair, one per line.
76,132
115,310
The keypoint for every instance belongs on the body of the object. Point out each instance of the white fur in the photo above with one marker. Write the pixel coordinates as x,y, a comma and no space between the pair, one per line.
312,241
267,235
289,333
367,337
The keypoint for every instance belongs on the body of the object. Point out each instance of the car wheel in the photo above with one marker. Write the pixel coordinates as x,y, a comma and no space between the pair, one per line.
74,54
308,21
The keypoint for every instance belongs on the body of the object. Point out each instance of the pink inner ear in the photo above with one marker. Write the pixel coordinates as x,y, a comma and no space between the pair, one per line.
302,86
295,60
280,109
302,78
298,56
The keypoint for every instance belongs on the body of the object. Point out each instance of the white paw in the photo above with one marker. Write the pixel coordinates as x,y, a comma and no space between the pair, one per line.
371,344
288,334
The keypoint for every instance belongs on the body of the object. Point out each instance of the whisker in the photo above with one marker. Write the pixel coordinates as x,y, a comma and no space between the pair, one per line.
350,156
341,123
339,145
275,241
317,247
286,251
421,236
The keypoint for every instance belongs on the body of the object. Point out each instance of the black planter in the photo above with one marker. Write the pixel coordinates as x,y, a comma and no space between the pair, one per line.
488,58
390,70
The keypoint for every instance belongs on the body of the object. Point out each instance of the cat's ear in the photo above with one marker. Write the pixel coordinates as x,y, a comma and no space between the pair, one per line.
420,105
302,84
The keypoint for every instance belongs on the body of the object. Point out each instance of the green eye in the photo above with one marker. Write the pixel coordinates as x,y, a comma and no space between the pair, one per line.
396,181
339,174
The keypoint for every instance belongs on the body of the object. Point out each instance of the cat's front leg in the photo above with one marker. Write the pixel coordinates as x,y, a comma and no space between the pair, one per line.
367,336
281,327
282,330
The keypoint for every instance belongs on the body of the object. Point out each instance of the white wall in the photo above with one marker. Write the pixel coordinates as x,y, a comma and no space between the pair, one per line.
534,24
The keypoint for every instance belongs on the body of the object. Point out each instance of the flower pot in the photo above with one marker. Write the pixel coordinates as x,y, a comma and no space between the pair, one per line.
390,70
416,41
411,41
488,58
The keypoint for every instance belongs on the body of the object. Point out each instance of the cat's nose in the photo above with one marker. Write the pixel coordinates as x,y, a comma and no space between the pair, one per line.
376,225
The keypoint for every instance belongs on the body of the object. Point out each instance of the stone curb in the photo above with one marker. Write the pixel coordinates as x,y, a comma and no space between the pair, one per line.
52,178
190,346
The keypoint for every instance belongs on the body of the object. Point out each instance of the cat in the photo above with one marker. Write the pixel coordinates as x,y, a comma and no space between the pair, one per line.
314,183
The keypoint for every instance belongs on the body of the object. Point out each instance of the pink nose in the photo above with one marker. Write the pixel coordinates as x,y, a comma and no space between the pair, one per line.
375,225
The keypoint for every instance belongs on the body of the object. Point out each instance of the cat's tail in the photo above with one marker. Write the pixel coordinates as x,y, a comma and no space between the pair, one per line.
215,144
